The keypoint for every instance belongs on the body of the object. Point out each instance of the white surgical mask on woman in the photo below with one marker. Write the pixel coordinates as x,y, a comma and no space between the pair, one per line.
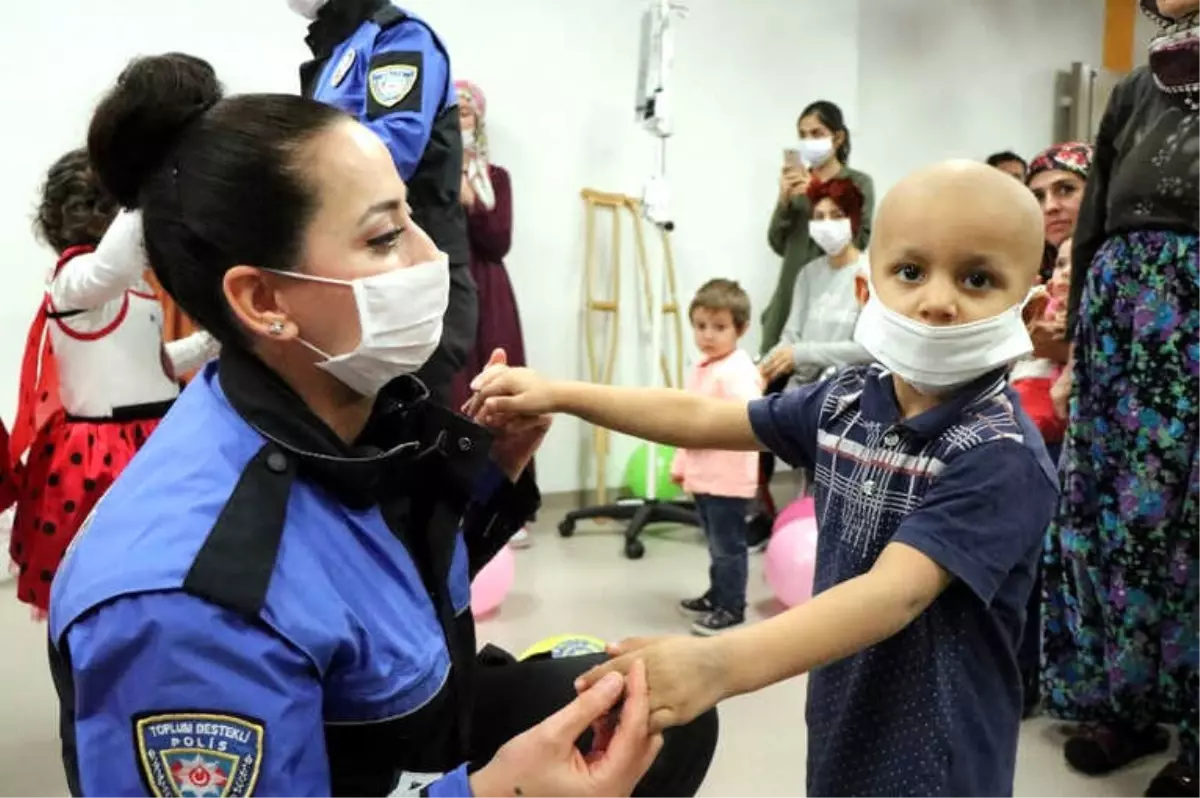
400,315
831,235
815,152
937,359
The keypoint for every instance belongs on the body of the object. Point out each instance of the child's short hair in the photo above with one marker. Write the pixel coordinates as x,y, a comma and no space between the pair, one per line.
74,210
722,294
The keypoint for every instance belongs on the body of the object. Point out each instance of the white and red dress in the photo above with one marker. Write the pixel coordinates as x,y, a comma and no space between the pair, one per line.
95,381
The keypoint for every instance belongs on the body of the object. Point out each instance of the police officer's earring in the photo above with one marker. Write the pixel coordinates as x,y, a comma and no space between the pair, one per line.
276,328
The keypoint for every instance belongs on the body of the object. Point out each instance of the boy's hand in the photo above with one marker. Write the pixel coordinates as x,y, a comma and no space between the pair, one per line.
502,392
687,676
517,437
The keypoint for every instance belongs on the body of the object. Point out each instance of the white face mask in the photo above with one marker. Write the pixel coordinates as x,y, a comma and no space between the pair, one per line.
400,314
468,140
831,235
815,152
306,8
936,360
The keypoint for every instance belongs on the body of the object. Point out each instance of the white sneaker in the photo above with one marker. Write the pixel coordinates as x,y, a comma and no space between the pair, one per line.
521,540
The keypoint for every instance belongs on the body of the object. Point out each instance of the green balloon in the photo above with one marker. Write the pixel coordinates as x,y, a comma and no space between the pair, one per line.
639,463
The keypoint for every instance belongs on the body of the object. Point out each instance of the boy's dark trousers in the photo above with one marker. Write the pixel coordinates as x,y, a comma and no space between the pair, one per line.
723,519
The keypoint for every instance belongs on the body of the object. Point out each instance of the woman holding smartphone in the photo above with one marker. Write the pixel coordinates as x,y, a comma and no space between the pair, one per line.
820,155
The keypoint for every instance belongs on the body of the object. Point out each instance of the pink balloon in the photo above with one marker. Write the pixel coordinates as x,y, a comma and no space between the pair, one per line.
791,561
493,582
804,507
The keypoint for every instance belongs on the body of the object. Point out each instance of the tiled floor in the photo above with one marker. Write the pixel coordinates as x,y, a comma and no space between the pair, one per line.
583,585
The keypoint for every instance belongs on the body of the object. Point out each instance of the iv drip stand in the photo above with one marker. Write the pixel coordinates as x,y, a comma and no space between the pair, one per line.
655,116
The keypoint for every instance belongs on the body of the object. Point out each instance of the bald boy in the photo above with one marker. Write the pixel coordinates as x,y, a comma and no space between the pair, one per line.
932,492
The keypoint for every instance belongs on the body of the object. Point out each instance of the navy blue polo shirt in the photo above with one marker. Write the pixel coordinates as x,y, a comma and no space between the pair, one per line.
935,709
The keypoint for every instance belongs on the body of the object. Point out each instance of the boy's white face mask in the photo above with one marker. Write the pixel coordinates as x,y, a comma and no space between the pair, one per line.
936,359
306,8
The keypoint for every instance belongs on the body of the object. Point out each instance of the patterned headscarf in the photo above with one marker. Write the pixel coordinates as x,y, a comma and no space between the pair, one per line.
1070,156
1150,9
475,152
470,95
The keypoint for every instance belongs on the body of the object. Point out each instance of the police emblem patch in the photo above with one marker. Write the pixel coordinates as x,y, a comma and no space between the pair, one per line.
199,754
391,84
343,68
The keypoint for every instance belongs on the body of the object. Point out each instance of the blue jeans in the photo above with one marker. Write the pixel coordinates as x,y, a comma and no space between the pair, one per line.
723,519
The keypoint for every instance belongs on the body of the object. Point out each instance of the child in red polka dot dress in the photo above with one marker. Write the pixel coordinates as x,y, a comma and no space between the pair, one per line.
96,377
8,475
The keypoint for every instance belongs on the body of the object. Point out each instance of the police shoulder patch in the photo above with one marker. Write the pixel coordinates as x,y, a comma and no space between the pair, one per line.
391,84
199,753
395,82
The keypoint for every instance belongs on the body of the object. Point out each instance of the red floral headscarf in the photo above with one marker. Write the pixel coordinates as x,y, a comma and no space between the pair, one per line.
1070,156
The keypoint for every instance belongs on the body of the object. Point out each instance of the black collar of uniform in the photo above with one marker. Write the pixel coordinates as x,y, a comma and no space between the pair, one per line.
405,428
336,21
879,402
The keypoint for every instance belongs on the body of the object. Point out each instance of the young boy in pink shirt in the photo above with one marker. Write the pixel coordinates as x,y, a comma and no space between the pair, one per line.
722,483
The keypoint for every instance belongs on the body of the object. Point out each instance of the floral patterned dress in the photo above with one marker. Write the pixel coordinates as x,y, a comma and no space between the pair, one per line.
1120,592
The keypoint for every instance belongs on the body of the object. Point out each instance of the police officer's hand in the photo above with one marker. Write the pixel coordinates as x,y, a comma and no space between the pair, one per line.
544,761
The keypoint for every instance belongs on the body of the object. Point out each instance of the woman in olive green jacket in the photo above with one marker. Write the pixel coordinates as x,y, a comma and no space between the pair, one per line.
822,153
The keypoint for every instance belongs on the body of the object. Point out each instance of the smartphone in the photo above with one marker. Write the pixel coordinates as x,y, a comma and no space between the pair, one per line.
791,158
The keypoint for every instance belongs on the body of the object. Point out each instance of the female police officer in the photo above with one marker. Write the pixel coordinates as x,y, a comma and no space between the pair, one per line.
274,597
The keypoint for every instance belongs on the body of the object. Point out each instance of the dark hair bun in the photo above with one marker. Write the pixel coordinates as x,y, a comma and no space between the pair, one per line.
143,117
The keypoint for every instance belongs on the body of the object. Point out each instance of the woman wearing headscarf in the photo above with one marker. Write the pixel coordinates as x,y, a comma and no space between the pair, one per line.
1120,619
487,197
821,154
1057,176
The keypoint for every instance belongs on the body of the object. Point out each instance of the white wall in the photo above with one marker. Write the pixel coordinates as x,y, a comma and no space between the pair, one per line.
964,78
918,80
562,127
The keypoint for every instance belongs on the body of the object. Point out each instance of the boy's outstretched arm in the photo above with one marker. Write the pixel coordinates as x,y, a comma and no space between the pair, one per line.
983,517
690,675
664,415
843,620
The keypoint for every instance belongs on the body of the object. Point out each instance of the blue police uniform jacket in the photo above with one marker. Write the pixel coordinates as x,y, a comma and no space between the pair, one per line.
257,608
388,69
